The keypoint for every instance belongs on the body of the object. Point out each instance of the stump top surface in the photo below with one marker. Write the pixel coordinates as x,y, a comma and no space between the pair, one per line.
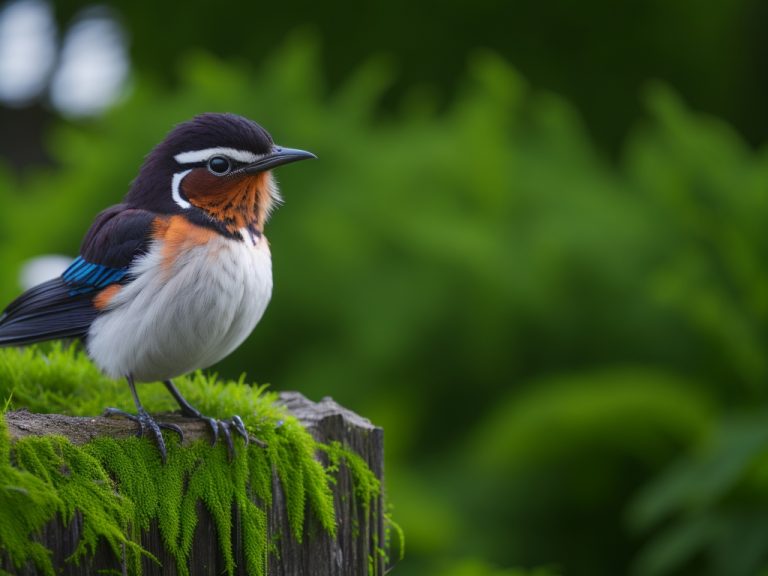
311,413
82,429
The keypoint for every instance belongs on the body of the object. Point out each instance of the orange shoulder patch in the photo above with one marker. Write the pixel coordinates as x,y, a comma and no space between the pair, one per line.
178,235
160,227
104,297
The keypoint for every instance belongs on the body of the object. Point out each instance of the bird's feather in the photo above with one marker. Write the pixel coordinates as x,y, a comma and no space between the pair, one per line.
46,312
118,236
63,307
85,277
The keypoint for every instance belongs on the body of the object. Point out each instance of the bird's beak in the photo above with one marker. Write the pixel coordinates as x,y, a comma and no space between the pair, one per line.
277,157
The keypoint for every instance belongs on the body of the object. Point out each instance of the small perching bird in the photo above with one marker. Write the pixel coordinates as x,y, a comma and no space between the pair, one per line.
176,276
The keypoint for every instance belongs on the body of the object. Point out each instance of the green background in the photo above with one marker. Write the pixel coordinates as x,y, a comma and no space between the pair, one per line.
533,250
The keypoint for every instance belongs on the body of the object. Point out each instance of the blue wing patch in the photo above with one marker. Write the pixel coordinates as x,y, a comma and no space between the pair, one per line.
83,277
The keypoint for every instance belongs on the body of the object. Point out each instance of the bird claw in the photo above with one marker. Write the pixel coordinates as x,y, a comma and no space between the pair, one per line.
148,424
172,427
213,424
236,423
225,428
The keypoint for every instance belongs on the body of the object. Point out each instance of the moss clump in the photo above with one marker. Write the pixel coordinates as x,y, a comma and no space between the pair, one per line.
78,483
120,487
367,486
26,504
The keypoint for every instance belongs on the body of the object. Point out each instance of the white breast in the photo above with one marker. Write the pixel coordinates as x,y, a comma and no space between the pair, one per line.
170,321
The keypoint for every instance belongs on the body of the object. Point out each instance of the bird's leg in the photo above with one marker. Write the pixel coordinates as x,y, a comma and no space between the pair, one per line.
145,421
223,426
190,411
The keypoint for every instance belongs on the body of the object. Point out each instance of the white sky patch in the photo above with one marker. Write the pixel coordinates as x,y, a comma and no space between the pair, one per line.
94,65
27,50
38,270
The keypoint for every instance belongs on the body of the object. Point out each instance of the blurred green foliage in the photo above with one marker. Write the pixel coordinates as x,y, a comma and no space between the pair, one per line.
708,508
597,53
558,346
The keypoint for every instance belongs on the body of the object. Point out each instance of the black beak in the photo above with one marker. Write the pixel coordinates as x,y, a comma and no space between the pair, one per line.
277,157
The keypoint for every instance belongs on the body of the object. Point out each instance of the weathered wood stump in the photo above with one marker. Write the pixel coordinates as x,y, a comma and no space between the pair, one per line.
353,552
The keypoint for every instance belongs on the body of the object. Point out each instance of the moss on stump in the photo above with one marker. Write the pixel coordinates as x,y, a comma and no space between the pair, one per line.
82,495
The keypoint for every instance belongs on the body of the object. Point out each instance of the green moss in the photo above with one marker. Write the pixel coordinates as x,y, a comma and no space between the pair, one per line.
367,486
120,487
26,504
80,485
394,547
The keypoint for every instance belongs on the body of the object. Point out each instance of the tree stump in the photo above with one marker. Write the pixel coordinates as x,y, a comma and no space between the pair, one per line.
355,550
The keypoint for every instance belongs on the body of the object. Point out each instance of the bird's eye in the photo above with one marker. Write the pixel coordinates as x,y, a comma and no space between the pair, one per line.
219,165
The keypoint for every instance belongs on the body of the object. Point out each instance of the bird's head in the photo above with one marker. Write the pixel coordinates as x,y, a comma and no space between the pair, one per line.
215,167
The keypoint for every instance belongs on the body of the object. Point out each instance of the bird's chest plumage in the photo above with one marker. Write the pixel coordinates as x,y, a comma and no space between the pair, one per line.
192,301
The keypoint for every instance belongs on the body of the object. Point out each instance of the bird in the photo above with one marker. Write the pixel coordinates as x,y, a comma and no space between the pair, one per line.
176,276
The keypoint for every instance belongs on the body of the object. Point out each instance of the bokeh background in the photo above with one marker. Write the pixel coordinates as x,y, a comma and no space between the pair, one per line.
534,248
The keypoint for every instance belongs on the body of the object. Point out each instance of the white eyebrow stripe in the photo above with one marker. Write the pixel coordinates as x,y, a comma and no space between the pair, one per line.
202,155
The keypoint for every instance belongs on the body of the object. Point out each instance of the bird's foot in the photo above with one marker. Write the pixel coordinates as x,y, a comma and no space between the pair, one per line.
148,424
225,428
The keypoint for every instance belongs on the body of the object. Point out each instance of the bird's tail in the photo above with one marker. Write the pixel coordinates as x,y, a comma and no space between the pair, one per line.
46,312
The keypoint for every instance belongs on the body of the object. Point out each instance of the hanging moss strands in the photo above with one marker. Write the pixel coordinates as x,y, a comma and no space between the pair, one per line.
117,488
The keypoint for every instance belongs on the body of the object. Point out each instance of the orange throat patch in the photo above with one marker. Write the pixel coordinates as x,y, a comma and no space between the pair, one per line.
238,202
